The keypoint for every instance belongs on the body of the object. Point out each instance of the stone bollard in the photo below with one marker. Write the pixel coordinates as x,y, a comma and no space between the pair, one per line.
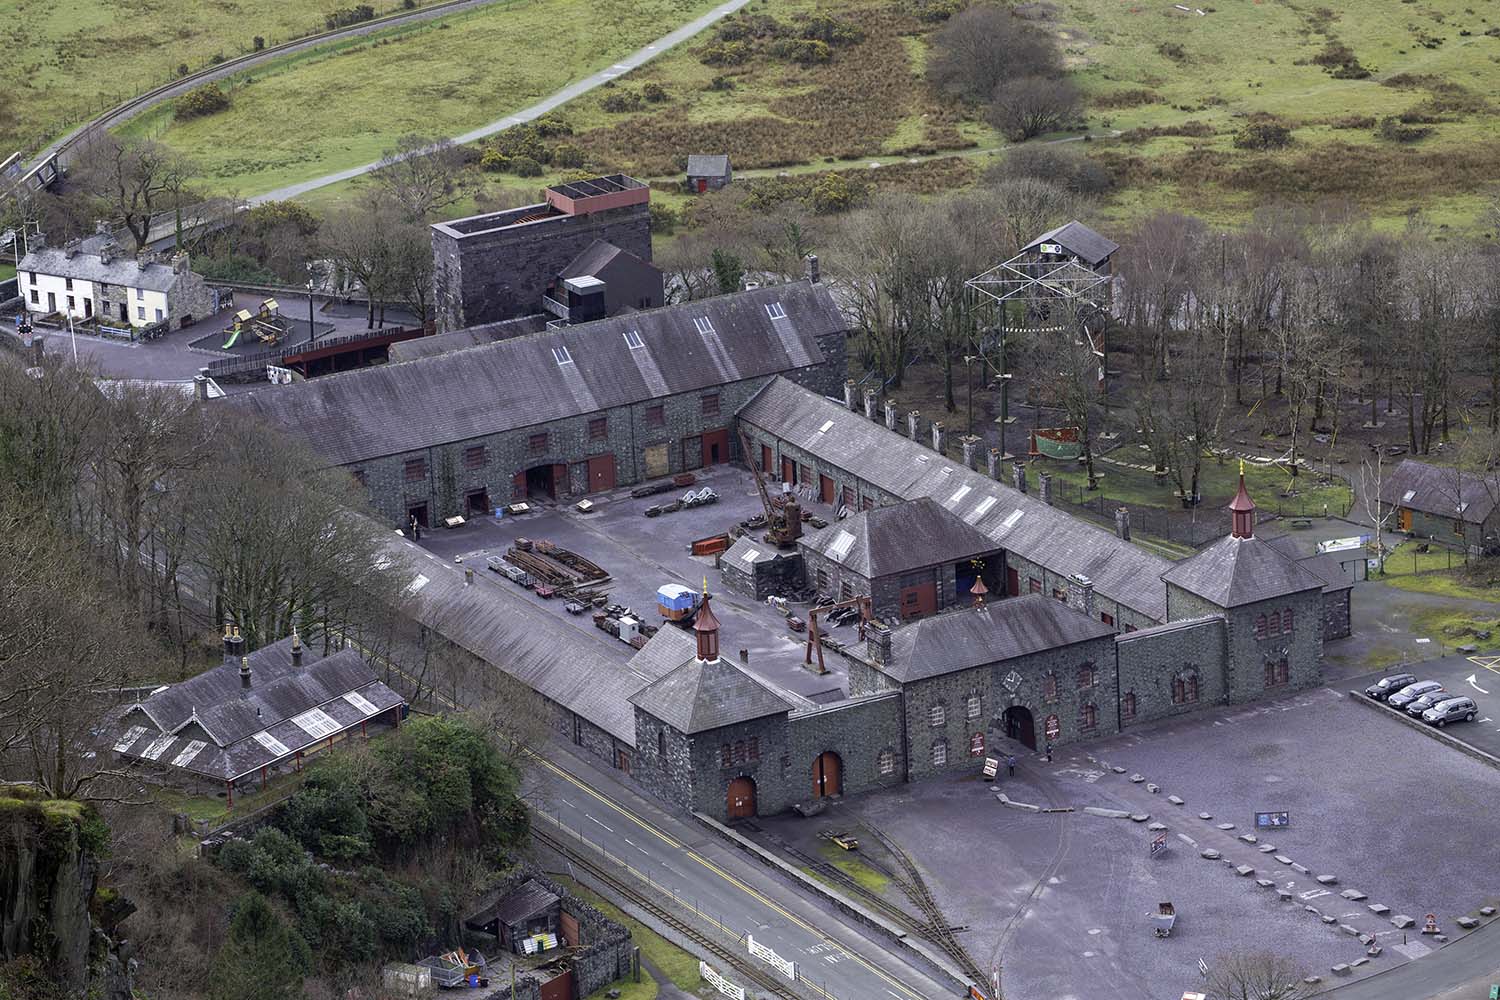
1044,487
992,463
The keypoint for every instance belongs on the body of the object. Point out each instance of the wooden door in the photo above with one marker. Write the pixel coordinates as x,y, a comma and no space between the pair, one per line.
765,459
715,447
601,473
919,600
518,486
568,930
1405,519
741,798
559,987
788,470
1012,583
825,490
657,464
828,775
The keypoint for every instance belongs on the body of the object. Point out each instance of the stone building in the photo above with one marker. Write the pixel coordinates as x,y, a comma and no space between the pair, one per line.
93,279
708,172
625,282
498,266
566,412
1446,505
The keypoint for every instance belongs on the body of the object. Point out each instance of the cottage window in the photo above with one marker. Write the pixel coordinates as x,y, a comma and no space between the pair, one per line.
886,762
140,312
974,706
474,457
158,315
726,755
1087,676
1278,673
1088,717
598,428
33,277
1127,705
71,305
1049,686
416,470
140,293
752,747
537,443
939,753
711,404
936,716
68,284
656,416
36,299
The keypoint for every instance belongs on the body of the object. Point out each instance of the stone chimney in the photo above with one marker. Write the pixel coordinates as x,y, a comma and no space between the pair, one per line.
1018,476
234,643
200,388
37,241
878,645
849,396
180,263
812,268
870,397
1081,594
245,672
296,649
970,445
70,248
913,422
1044,487
992,463
890,414
1122,523
939,437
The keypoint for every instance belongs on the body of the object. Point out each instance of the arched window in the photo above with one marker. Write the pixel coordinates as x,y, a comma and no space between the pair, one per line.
1088,717
936,716
726,755
1185,687
1286,619
939,753
752,747
739,751
886,762
1260,627
1127,705
1049,686
1088,676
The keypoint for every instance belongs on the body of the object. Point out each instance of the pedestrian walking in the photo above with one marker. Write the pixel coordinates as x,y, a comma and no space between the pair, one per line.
1010,765
1049,751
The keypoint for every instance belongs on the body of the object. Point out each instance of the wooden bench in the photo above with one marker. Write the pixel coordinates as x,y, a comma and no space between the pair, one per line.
1301,522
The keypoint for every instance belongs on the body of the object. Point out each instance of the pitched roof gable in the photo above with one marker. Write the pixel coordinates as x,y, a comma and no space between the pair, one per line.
975,637
1236,571
898,538
699,696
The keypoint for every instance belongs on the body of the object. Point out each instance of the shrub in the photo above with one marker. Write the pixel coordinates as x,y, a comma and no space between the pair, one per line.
525,166
654,92
567,155
1119,99
1339,61
216,58
549,126
724,54
830,31
622,101
494,161
201,101
935,10
832,193
1265,134
805,51
1392,129
258,42
721,83
408,4
664,218
1172,50
522,140
182,69
345,16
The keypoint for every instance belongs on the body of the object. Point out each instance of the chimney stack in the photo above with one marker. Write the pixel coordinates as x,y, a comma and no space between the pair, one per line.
913,421
939,437
1044,487
234,643
200,388
849,394
970,445
245,672
1122,523
992,463
878,646
890,414
296,649
1081,594
107,253
70,248
180,262
870,397
812,268
1018,476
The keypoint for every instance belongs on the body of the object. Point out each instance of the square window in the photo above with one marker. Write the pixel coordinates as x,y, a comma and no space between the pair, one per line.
140,312
974,706
36,299
537,443
656,416
140,293
68,284
71,305
416,470
887,762
474,457
711,405
598,428
940,753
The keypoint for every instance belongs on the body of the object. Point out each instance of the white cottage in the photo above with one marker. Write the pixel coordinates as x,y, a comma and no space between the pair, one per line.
92,278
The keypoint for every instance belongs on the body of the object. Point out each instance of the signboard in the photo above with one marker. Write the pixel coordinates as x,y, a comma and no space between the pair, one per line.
1050,247
991,766
1344,544
1059,442
1272,820
1158,843
1052,727
976,744
719,983
775,961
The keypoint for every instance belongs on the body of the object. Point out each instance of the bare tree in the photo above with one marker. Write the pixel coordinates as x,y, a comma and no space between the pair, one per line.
1064,367
1256,975
981,48
1371,487
134,180
1032,105
877,274
422,175
371,243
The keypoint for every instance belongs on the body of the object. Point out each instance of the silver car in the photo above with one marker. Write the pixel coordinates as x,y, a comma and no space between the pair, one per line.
1451,710
1412,692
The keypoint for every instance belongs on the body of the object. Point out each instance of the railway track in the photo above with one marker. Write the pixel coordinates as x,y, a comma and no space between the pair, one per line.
938,929
763,980
868,897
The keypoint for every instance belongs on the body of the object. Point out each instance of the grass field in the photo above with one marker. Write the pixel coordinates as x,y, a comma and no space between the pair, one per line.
1217,484
342,105
66,60
7,271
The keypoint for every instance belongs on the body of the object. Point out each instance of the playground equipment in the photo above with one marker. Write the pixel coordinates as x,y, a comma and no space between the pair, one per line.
266,325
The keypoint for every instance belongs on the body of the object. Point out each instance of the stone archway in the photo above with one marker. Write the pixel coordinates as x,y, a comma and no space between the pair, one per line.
1019,725
828,775
740,801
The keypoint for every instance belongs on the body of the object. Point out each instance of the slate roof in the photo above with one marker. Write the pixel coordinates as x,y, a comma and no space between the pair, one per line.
1235,571
86,266
598,256
1324,565
246,726
527,899
1014,521
1438,491
707,165
513,384
473,336
1079,240
697,696
899,538
974,637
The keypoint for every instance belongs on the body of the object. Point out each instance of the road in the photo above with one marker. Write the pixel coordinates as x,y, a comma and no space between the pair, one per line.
1466,968
555,100
707,874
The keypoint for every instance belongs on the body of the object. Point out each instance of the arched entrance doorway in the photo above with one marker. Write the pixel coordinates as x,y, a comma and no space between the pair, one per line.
828,775
741,798
1019,725
542,480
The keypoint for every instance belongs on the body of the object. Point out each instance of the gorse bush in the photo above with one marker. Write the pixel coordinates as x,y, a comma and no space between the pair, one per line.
201,101
345,16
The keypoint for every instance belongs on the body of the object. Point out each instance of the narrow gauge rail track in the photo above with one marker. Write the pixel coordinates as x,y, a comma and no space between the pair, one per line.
867,896
763,980
915,887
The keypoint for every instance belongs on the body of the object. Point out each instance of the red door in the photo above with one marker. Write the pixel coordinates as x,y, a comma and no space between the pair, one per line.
919,600
1013,583
741,798
765,458
702,184
715,447
825,489
518,488
560,484
788,470
601,473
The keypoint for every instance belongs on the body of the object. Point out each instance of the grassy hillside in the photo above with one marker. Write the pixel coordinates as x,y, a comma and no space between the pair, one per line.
340,106
68,59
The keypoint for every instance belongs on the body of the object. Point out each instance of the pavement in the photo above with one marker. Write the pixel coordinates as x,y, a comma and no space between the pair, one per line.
686,862
642,554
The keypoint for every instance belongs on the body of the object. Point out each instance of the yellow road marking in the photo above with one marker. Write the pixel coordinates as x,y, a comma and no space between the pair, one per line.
1490,663
747,890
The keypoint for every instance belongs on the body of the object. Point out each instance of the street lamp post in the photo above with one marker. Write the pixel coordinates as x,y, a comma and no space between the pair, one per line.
311,332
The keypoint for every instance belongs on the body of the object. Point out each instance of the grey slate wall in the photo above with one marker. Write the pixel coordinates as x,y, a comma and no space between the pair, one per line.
501,273
858,730
1336,623
1064,662
1246,655
1026,571
951,692
772,773
668,776
1150,660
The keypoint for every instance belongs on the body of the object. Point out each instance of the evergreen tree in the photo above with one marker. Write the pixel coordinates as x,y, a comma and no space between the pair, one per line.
263,959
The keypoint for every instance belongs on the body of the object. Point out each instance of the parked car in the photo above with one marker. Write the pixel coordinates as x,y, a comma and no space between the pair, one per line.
1411,693
1451,710
1422,704
1389,685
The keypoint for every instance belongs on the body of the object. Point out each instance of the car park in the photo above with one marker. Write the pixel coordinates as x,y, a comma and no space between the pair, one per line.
1389,685
1411,693
1460,709
1422,704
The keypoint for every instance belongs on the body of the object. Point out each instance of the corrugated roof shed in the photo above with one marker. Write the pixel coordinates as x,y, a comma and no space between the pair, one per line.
520,383
699,696
1441,492
1079,240
1235,571
899,538
1012,520
526,900
975,637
